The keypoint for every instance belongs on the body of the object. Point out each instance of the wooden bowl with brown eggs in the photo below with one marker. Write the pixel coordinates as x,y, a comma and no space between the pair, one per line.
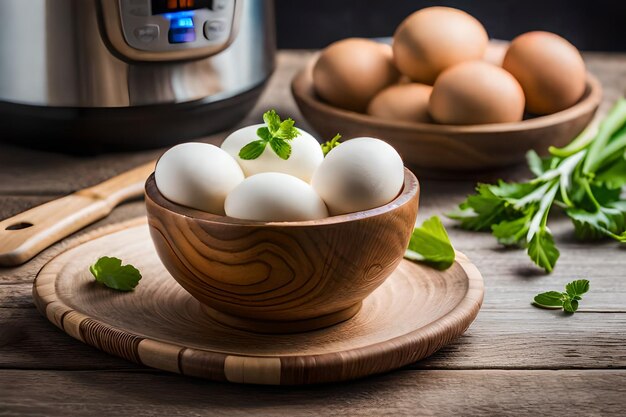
452,151
281,277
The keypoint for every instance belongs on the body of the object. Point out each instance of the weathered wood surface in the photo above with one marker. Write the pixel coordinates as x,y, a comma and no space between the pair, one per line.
411,393
524,346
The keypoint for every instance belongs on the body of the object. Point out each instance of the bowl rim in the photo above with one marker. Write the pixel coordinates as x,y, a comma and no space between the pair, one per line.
302,90
410,189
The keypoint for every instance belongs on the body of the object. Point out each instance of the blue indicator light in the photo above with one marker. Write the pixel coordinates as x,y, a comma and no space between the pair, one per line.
182,22
181,27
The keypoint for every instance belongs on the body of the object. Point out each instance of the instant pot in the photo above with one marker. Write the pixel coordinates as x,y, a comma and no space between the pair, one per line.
87,75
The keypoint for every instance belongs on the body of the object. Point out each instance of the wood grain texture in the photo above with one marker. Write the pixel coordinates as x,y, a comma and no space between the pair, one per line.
414,313
28,233
402,393
498,339
453,152
282,277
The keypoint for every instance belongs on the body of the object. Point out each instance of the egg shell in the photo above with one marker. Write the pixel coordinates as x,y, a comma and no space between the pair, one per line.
436,38
359,174
306,154
274,197
476,92
348,73
197,175
402,102
550,70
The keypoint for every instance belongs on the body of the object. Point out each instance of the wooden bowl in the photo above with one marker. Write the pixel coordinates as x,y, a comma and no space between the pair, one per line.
435,150
281,277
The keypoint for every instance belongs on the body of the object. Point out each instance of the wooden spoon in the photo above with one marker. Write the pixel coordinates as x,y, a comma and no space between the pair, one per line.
25,235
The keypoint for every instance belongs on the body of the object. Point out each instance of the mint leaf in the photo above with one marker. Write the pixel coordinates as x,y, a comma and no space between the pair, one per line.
281,148
110,272
550,299
275,132
567,300
431,245
286,130
577,288
331,144
252,150
570,305
264,134
272,120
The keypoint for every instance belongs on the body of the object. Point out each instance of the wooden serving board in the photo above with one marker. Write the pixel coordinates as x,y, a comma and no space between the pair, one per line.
413,314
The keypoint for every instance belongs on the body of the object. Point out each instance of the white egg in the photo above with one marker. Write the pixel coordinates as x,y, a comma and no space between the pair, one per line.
306,154
197,175
359,174
274,196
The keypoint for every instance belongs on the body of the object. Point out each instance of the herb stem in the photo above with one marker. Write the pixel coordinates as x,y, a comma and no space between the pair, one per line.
609,126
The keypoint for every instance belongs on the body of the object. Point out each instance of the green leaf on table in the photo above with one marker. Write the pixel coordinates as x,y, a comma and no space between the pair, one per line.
542,250
431,245
110,272
567,300
577,288
550,299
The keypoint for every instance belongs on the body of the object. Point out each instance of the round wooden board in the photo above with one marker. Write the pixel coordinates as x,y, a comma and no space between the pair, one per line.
413,314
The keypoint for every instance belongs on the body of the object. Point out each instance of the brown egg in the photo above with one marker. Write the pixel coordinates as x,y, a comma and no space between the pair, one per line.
550,70
433,39
405,102
350,72
476,92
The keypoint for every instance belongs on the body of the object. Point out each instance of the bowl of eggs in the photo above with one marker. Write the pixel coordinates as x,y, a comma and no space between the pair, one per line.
273,236
446,98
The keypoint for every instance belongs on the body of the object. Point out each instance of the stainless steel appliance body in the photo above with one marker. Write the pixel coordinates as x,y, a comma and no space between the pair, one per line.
104,74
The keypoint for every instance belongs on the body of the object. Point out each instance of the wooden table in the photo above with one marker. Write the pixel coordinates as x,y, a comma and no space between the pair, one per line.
515,358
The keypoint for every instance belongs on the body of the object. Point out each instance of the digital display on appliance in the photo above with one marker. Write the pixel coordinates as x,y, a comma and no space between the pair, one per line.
172,6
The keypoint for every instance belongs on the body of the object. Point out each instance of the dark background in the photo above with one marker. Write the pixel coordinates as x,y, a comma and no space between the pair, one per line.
590,25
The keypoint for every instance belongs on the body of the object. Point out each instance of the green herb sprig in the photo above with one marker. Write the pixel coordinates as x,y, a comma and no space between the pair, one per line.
431,245
111,273
584,178
567,300
276,133
331,144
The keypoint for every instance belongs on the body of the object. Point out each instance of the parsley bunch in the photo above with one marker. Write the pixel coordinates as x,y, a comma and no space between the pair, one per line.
584,178
276,133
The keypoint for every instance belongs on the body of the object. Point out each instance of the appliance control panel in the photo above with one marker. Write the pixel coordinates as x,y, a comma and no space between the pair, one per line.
160,30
